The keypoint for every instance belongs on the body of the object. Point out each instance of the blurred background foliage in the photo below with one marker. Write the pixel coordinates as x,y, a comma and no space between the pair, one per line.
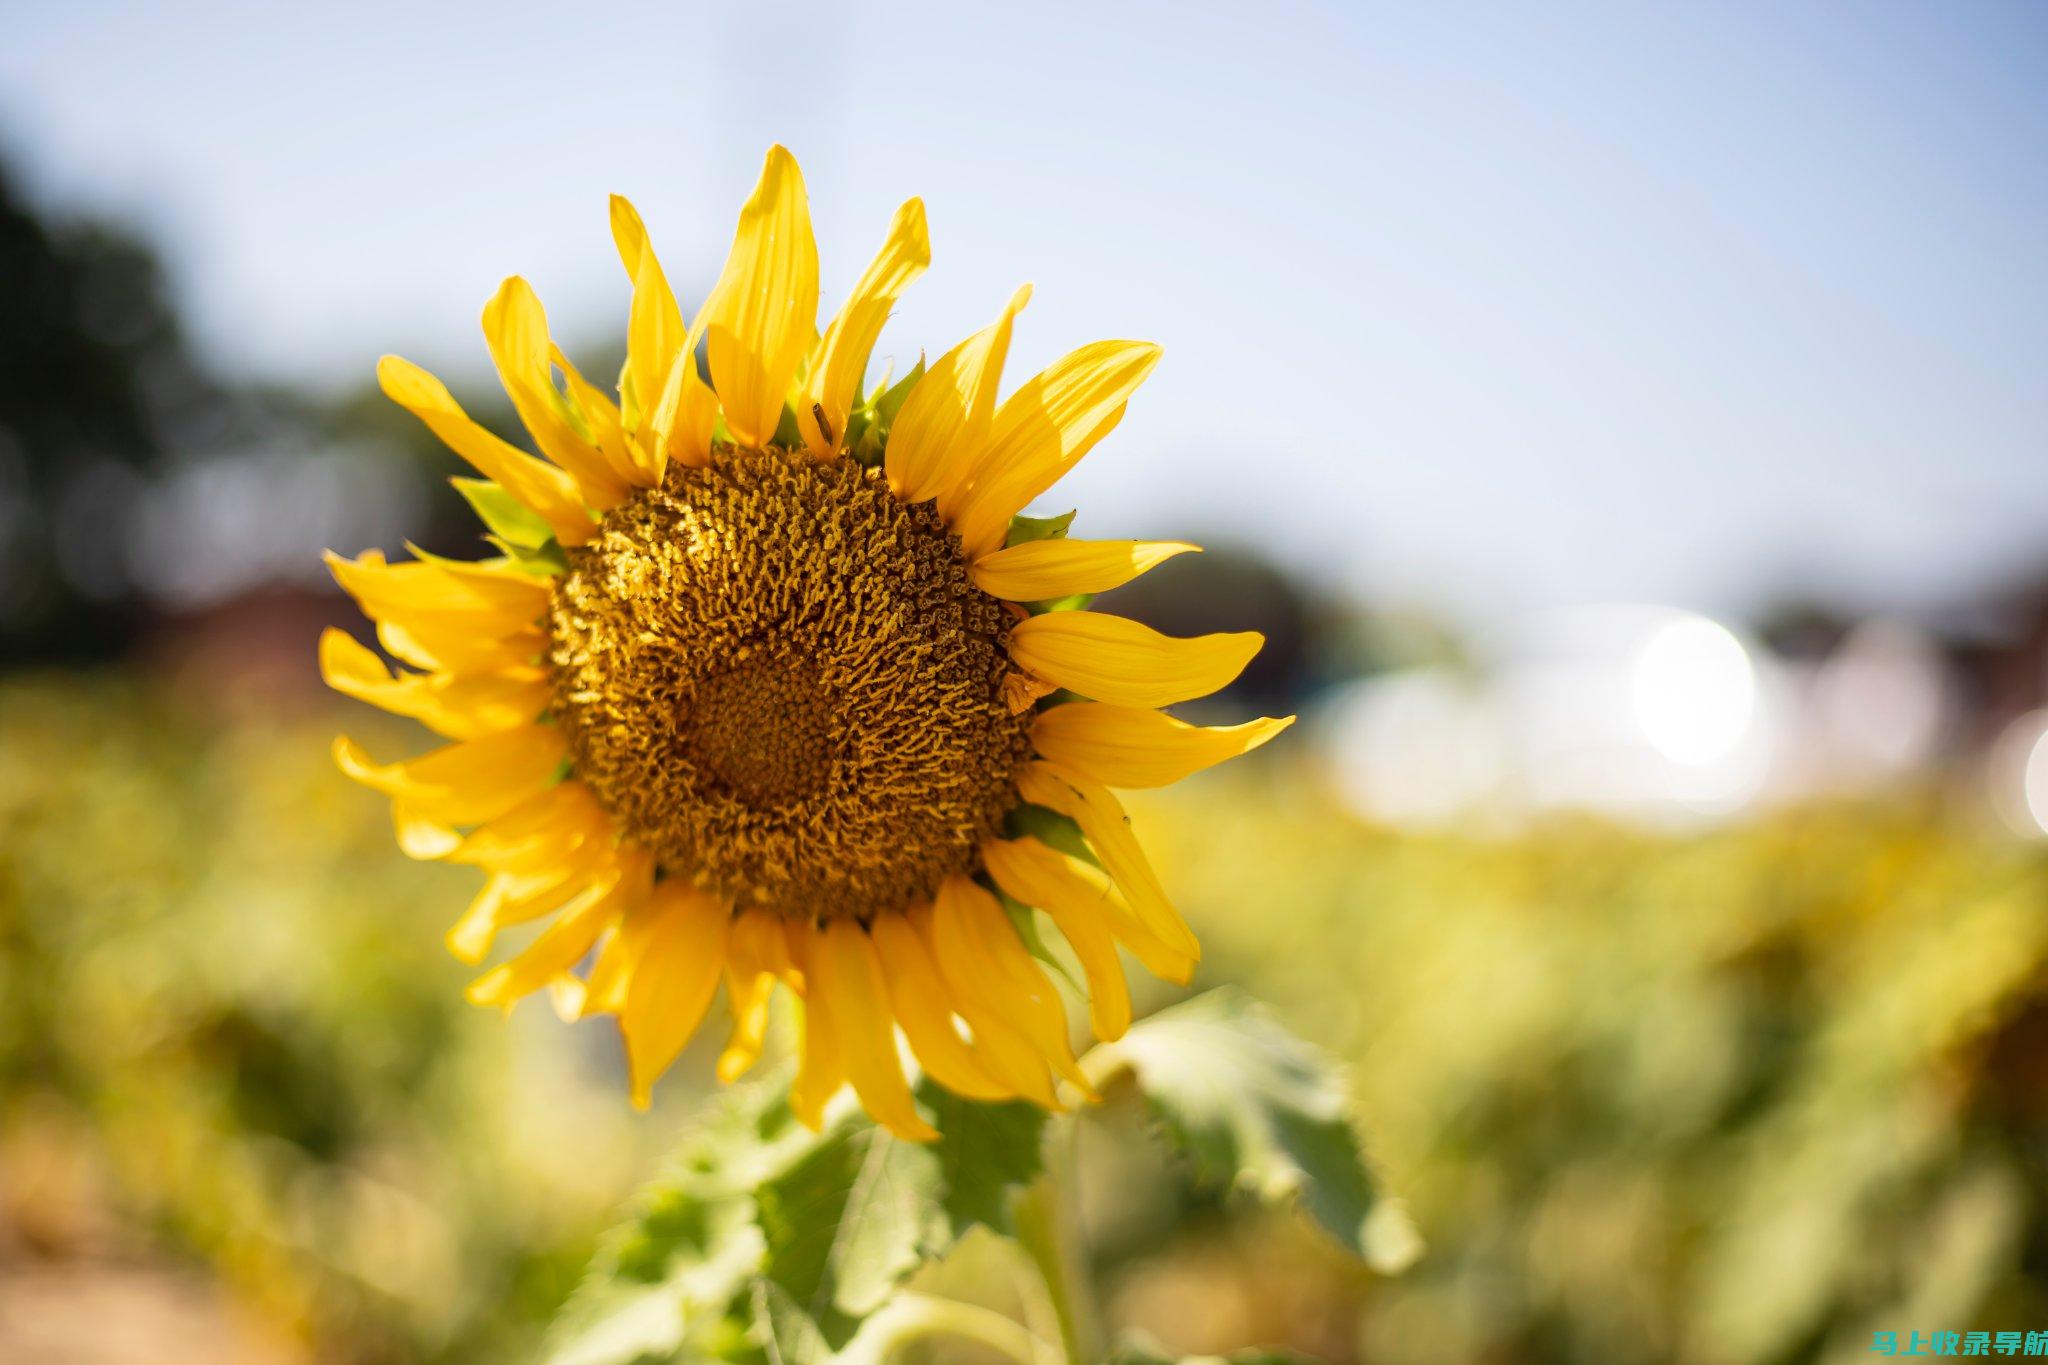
1740,1095
227,1033
1735,1095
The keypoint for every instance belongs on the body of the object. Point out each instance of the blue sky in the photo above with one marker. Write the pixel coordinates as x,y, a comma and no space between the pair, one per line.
1491,307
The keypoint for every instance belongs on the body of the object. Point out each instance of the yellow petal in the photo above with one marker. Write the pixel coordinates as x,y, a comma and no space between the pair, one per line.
761,315
456,706
842,356
979,952
923,1006
686,413
612,974
1126,746
479,602
601,417
1091,887
1117,660
497,580
945,420
539,834
844,971
566,994
468,782
421,837
446,646
1034,875
748,995
756,959
1039,570
516,330
510,898
690,440
1002,1045
548,491
673,981
1041,430
820,1074
575,931
654,331
1108,830
427,615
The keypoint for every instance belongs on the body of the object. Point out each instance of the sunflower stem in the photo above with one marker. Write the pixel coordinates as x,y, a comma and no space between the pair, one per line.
1048,1230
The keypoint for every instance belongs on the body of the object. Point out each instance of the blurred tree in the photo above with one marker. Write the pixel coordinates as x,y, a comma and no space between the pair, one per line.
1228,588
112,429
97,386
1315,636
1806,629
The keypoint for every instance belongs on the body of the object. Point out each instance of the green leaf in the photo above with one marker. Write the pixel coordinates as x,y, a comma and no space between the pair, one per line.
762,1240
692,1241
785,1333
1260,1112
1024,528
629,1315
986,1152
511,520
849,1220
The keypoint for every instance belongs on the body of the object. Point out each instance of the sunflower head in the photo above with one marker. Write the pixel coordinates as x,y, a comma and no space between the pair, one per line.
767,674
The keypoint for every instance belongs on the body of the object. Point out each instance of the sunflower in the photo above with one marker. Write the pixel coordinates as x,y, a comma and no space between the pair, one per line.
770,683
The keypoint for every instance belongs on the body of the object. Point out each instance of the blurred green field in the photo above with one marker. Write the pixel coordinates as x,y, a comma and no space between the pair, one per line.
1740,1096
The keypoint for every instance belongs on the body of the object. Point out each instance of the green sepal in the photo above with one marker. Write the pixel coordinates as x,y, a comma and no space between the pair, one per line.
571,412
1023,528
787,434
1049,827
429,557
1025,919
511,520
890,400
1071,602
549,561
868,425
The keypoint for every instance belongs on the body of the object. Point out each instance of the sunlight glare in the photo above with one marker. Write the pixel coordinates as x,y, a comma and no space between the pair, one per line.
1694,690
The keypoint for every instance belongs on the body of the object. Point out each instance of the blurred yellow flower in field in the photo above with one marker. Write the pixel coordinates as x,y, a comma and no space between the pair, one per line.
772,685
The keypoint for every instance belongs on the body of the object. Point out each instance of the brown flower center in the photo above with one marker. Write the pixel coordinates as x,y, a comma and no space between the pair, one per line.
780,680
